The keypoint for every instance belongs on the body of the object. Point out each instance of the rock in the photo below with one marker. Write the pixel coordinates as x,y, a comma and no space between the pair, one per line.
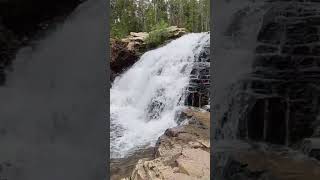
181,153
140,36
240,160
123,167
198,90
206,107
194,162
198,116
311,147
136,41
121,57
175,32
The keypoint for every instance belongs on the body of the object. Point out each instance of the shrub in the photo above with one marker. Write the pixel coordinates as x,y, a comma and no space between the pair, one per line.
158,35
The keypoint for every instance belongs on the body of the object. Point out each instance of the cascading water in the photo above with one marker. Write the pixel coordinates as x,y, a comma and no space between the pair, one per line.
145,99
53,105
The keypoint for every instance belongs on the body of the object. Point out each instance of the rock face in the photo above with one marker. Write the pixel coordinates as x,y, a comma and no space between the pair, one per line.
277,101
136,41
183,152
121,57
199,86
125,52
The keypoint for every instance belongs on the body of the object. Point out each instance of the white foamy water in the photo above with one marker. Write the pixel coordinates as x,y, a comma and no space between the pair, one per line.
145,99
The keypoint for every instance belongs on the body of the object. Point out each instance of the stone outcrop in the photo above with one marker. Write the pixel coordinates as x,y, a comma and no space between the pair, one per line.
136,41
125,52
182,153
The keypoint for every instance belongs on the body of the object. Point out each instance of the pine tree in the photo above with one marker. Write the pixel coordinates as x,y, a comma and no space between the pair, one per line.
143,15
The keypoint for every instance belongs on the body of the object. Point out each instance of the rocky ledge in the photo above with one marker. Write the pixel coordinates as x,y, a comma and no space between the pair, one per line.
125,52
181,153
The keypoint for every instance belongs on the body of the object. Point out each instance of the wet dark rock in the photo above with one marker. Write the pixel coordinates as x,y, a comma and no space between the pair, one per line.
198,91
154,109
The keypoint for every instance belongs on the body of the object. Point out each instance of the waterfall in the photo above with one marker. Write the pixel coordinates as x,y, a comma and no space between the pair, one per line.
52,105
145,99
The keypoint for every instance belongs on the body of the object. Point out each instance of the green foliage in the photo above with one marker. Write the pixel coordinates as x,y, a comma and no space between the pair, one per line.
123,19
158,35
145,15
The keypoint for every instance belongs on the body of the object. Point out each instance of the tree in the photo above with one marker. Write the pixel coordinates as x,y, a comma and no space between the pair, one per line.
142,15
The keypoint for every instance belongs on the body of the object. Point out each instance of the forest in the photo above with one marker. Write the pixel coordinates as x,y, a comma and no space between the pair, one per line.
147,15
